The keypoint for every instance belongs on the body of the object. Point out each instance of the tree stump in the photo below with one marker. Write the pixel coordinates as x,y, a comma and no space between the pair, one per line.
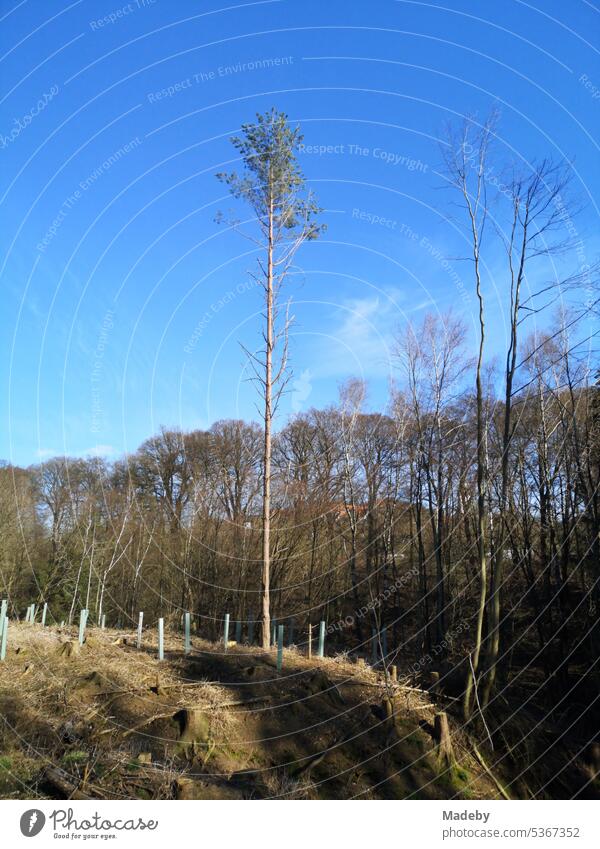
388,709
442,736
69,649
195,730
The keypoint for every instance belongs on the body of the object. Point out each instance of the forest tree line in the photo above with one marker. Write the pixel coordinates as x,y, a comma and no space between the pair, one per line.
375,520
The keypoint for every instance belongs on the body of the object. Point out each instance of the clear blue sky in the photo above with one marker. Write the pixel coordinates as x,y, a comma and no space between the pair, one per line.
124,303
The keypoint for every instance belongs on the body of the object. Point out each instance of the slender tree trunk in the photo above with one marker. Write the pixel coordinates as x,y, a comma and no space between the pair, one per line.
435,518
473,666
266,516
424,591
498,572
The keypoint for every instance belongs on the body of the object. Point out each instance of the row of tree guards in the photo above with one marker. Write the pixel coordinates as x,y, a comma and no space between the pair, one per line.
277,636
378,638
30,617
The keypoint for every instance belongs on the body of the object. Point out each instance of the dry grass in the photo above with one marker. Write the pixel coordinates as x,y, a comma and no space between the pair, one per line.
44,675
83,709
113,719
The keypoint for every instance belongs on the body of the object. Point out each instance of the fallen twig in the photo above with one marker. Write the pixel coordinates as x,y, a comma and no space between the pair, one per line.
147,722
479,757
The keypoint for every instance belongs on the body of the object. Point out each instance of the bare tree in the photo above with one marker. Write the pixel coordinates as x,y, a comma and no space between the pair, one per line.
537,214
274,188
433,362
466,156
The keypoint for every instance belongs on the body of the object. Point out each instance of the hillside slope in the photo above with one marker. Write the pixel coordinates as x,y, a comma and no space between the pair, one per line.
110,721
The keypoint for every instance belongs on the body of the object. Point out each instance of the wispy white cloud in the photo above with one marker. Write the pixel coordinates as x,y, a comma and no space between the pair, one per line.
361,338
99,451
44,453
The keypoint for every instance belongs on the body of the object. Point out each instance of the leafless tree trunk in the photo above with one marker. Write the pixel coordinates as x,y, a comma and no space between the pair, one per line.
466,156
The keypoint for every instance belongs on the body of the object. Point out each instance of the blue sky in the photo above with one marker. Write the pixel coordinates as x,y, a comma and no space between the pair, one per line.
124,304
